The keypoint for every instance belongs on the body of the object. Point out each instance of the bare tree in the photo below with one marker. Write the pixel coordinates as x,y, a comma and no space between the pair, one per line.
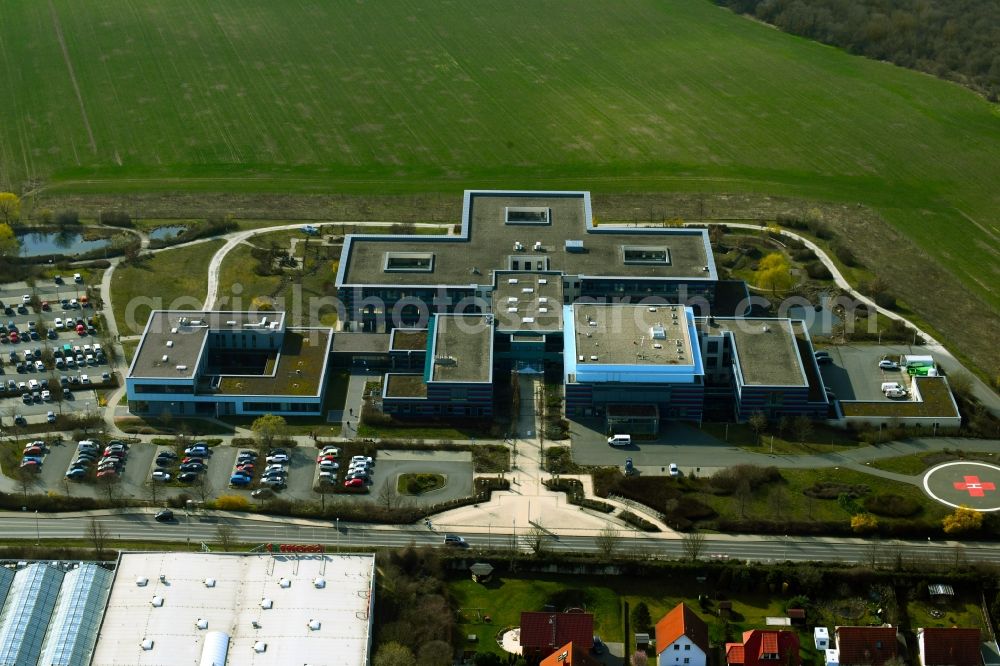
874,551
387,496
777,501
803,427
225,535
758,421
98,535
743,493
26,479
202,487
607,541
152,490
112,487
693,544
536,539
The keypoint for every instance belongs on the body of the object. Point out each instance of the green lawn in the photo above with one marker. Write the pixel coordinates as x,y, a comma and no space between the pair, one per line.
402,96
174,279
822,439
505,597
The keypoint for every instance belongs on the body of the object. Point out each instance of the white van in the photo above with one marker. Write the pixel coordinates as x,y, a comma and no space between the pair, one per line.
892,386
620,440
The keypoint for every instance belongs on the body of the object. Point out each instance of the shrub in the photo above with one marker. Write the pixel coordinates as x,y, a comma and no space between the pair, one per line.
963,519
891,505
67,217
231,503
864,523
833,490
803,254
116,218
845,255
638,521
725,481
817,270
885,300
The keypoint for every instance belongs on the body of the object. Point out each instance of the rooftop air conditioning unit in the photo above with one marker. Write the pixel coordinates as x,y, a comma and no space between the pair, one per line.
537,246
657,345
314,625
511,309
266,604
657,332
542,281
202,623
593,358
581,358
165,359
170,343
512,299
543,309
181,368
511,280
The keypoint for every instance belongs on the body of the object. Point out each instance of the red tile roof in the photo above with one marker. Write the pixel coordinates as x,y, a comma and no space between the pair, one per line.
951,647
758,642
547,631
681,621
571,654
867,646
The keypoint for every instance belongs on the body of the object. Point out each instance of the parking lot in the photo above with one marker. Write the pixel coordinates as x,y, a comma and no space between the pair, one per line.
30,336
673,445
854,373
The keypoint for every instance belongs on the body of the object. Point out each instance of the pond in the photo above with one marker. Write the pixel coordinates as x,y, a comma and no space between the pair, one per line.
167,233
58,242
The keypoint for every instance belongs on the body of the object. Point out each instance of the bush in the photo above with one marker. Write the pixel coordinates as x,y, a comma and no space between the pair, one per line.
638,521
725,481
116,218
845,255
829,490
864,523
817,270
803,254
885,300
67,217
891,505
231,503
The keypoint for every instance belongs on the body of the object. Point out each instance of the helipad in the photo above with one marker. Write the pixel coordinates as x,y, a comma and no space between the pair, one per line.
972,484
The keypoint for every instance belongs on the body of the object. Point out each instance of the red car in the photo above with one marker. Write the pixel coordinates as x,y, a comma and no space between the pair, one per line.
326,458
32,451
354,483
245,468
15,338
107,472
45,305
189,459
31,464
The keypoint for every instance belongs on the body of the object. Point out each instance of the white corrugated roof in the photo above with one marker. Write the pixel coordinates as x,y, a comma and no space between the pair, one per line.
233,606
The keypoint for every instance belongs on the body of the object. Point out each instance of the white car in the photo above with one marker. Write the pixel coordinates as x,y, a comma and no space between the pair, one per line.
160,475
886,364
278,458
58,323
274,468
896,393
26,299
330,451
47,396
84,379
329,465
673,470
364,459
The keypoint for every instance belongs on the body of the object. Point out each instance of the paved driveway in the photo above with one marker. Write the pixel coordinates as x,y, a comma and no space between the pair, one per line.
456,465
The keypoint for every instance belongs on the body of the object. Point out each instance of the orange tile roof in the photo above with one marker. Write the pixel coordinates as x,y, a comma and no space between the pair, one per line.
734,654
681,621
571,654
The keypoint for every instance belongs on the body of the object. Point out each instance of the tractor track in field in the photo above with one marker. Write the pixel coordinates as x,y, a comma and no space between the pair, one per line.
72,76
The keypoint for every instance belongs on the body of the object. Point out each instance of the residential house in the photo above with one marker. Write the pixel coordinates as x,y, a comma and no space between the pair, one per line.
764,647
571,654
866,646
681,638
543,633
949,647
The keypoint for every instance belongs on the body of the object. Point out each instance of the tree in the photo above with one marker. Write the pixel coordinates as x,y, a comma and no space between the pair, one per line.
774,273
394,654
693,544
758,421
225,536
607,541
435,653
268,428
803,427
743,493
864,523
961,384
98,535
10,207
641,619
963,519
112,487
388,497
232,503
9,245
536,539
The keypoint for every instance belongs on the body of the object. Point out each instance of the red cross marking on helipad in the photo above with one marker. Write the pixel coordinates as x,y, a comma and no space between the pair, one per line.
974,486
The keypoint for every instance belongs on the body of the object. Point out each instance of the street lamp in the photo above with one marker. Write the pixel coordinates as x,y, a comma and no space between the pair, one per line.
338,533
38,531
489,536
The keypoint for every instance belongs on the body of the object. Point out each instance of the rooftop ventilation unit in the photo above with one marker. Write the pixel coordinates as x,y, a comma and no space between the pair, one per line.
445,360
314,625
512,299
705,268
657,332
581,358
593,358
657,345
593,323
528,320
543,309
518,246
259,647
511,280
319,583
542,281
231,322
164,359
284,583
181,368
543,299
537,246
765,328
157,602
197,322
141,581
574,246
209,582
266,604
652,309
146,644
527,290
170,343
511,309
201,623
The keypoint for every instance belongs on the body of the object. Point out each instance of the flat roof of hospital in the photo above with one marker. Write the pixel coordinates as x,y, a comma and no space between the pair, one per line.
487,243
766,349
180,336
462,348
297,369
630,334
334,592
528,301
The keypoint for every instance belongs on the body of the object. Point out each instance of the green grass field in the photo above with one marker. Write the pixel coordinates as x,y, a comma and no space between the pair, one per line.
173,279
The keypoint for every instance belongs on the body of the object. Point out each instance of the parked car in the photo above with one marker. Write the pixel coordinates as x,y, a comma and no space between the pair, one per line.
164,516
896,393
192,459
76,473
166,453
198,450
32,451
674,471
274,484
161,475
354,483
240,480
105,473
278,458
187,477
886,364
262,493
192,467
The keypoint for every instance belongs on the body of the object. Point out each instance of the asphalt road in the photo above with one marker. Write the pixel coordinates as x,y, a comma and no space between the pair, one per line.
197,529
